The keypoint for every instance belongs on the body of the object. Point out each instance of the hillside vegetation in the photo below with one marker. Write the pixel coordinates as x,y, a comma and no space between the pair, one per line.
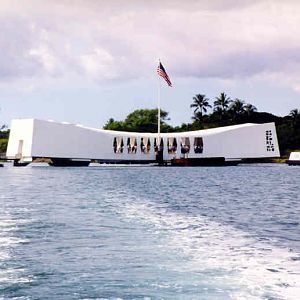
4,133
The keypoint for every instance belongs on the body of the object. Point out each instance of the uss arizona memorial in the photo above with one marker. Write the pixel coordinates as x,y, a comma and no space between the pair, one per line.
74,144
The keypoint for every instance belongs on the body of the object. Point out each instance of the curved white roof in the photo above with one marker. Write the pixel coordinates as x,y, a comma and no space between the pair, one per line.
202,132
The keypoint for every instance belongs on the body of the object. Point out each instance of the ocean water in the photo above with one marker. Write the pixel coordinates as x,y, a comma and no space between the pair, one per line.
150,233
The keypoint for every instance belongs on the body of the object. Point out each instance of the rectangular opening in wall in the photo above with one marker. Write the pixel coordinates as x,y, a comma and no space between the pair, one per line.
20,149
160,143
145,145
185,145
132,145
118,145
172,145
198,145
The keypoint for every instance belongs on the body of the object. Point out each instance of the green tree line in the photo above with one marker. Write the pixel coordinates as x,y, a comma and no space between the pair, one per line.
222,111
4,134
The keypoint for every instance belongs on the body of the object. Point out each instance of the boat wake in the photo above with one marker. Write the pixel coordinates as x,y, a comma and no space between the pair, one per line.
229,258
10,274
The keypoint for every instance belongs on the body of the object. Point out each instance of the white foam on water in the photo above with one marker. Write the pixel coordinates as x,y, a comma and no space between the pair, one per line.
9,224
13,276
250,269
145,298
7,243
6,227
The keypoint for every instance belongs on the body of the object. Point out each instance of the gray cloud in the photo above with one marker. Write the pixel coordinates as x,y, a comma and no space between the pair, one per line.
15,40
122,40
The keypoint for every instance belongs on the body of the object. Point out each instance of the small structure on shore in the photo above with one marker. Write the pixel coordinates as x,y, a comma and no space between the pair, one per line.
68,144
294,159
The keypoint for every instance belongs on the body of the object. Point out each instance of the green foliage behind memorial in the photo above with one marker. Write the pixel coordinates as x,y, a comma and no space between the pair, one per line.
4,134
140,120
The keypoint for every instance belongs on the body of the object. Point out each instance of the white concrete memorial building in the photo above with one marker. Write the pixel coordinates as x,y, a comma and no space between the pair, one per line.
74,144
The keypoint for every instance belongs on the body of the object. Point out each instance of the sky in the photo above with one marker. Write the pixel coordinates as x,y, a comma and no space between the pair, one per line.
85,61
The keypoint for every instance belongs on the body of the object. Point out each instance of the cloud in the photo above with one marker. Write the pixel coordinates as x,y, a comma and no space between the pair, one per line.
119,41
15,40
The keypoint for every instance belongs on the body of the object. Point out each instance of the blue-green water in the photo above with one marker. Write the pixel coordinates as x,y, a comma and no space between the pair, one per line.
150,233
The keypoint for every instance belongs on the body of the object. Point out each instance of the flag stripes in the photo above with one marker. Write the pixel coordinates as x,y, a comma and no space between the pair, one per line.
162,72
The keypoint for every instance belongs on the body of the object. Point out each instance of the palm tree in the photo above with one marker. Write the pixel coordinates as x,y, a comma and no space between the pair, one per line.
222,102
250,109
295,115
221,106
237,107
201,103
237,110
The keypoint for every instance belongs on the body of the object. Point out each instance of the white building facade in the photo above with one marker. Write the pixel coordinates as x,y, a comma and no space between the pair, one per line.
32,138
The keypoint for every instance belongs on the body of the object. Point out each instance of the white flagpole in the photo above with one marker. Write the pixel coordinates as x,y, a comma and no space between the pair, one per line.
158,122
158,110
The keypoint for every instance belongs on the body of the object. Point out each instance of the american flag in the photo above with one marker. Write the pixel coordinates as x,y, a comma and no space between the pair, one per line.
162,72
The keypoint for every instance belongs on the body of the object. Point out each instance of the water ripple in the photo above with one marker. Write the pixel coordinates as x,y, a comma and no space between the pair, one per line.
150,233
